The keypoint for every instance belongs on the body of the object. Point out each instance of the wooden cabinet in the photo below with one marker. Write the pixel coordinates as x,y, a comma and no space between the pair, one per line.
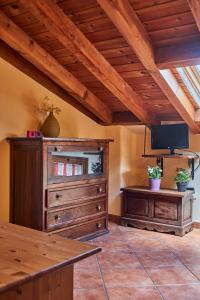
165,210
60,185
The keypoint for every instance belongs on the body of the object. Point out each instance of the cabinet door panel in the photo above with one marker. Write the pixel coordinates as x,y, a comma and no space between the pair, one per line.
166,210
136,206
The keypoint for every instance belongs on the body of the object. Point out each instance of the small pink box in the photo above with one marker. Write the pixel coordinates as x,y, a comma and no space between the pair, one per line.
33,134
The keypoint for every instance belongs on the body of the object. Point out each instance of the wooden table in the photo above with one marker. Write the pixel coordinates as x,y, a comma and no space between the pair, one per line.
36,266
165,210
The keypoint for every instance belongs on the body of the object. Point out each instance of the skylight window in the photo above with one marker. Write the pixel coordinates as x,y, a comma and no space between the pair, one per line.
191,79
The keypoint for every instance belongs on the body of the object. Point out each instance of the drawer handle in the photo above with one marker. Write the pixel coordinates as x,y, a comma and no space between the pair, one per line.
57,218
99,207
99,189
56,149
99,225
58,196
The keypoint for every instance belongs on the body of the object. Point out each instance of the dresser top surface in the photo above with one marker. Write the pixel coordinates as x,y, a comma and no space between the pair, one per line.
166,192
45,139
26,253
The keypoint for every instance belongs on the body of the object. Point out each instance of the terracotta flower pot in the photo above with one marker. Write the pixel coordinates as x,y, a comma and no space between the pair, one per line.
50,127
154,184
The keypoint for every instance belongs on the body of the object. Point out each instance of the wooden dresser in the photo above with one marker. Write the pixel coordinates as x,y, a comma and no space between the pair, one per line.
35,266
60,185
164,210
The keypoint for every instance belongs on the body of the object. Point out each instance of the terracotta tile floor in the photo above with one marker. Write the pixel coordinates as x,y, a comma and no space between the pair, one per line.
140,265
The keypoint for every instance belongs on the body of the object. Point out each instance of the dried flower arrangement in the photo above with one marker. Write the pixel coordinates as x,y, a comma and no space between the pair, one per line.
46,107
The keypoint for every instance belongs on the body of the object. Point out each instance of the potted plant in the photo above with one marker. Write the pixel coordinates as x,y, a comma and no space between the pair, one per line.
182,178
96,167
154,175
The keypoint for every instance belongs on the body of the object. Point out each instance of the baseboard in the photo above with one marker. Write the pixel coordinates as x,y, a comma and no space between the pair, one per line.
117,219
196,224
114,218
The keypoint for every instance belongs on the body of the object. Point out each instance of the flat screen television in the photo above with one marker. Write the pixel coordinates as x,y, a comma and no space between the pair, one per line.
170,137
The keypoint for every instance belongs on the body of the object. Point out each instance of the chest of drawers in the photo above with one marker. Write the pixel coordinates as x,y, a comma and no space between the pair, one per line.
60,185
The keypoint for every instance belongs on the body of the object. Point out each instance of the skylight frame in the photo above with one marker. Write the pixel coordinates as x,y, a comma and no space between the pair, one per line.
191,78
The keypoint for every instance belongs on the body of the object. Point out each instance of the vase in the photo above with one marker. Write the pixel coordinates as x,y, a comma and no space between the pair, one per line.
50,127
154,184
182,186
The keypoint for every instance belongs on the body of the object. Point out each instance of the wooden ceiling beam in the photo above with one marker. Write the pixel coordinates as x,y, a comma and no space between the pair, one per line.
127,22
17,39
16,60
68,34
195,8
178,55
125,118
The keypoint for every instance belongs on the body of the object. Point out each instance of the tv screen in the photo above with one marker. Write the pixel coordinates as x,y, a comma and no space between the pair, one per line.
169,136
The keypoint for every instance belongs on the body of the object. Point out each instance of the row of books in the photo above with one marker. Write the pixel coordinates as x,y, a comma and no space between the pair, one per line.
67,169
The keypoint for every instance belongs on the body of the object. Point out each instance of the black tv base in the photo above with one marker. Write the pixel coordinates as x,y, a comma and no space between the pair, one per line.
172,152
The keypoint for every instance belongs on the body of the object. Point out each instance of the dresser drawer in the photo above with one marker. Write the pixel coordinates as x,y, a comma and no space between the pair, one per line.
76,194
69,215
85,230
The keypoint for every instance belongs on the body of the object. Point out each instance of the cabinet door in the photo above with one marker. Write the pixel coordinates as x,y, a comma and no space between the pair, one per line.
70,162
136,205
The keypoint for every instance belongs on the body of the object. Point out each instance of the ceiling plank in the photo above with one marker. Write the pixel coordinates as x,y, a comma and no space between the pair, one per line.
68,34
16,60
127,22
17,39
195,8
178,55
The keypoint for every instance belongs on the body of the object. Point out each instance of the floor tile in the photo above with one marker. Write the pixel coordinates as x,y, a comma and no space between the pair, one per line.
171,275
189,259
172,262
184,247
189,251
92,294
89,263
195,233
113,245
87,279
132,233
195,269
118,259
158,259
134,293
146,245
123,277
180,292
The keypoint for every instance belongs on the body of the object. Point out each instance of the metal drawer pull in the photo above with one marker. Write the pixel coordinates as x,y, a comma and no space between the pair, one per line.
57,218
100,189
99,225
58,196
56,149
99,207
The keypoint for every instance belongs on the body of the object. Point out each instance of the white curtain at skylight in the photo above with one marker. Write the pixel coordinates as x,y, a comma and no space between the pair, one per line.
191,78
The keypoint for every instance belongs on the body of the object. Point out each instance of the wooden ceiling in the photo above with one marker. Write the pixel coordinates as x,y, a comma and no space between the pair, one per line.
104,56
